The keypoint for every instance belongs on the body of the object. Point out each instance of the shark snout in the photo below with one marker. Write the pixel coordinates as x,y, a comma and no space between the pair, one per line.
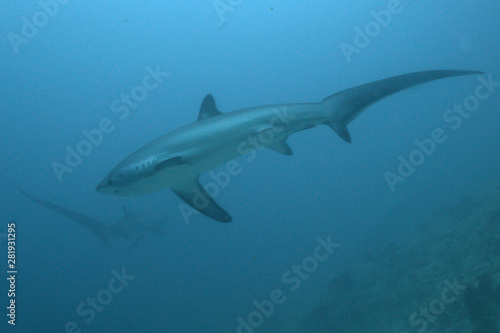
111,186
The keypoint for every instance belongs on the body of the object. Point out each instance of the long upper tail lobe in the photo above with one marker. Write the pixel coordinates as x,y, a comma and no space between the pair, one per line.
95,226
348,104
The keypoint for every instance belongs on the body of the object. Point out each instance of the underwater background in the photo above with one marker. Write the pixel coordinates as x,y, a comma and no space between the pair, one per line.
418,256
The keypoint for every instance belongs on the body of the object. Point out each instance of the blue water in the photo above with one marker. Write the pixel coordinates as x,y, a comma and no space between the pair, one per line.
64,76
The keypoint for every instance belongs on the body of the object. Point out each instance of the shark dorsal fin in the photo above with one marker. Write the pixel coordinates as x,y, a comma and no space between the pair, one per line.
208,108
126,212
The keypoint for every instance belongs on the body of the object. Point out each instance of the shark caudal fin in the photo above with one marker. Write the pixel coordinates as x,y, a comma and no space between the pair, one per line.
95,226
346,105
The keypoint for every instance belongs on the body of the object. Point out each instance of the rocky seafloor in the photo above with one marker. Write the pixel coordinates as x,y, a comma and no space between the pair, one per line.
445,278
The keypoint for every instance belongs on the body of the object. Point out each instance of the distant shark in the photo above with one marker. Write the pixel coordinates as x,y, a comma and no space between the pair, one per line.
130,226
177,159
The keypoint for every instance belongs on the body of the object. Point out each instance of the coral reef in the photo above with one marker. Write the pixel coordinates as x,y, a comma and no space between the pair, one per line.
445,279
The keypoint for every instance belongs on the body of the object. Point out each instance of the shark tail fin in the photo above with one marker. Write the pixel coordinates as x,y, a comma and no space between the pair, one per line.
97,228
346,105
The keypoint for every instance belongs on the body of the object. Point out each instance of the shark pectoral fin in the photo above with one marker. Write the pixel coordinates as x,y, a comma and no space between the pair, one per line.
280,146
195,196
341,130
208,108
170,162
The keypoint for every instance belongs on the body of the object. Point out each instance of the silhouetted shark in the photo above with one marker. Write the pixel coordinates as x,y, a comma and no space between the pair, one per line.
131,226
177,159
